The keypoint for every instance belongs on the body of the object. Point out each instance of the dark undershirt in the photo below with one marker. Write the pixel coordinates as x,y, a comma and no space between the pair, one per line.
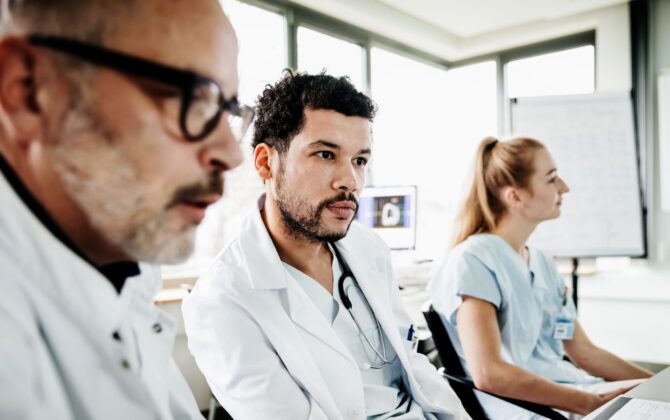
116,272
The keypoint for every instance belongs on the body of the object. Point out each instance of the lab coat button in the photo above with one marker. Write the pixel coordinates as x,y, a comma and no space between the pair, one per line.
125,364
116,336
352,414
157,328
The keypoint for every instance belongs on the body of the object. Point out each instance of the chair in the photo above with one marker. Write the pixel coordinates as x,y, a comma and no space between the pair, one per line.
461,384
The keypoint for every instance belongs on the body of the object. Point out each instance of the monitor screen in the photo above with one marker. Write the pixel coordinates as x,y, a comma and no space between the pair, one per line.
391,213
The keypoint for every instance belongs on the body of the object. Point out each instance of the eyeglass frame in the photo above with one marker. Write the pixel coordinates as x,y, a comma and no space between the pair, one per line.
187,81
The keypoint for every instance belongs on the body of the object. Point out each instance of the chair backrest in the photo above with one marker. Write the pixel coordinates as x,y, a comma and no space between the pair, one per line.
462,386
452,364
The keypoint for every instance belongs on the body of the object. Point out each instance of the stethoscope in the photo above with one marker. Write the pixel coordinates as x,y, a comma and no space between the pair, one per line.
346,272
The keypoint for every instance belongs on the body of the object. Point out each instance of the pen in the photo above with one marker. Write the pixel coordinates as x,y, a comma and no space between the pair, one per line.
410,332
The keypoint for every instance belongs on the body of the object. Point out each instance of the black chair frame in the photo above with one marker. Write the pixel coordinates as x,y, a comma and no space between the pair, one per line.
461,384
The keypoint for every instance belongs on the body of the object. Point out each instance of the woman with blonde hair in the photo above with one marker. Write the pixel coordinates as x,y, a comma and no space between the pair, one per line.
504,304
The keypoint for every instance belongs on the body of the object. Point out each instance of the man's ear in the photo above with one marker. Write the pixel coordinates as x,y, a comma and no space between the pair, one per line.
511,197
20,113
264,155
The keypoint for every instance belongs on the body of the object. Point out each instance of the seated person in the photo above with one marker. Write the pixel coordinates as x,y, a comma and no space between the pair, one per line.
299,317
504,304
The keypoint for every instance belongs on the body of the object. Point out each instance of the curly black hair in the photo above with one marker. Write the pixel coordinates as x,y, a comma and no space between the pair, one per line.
280,108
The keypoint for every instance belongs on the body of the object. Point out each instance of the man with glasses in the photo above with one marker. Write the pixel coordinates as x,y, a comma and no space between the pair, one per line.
117,121
300,316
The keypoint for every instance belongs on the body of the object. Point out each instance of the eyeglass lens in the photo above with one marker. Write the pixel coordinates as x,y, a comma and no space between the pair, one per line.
204,111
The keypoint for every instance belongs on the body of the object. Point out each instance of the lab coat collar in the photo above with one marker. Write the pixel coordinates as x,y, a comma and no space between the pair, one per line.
85,295
257,246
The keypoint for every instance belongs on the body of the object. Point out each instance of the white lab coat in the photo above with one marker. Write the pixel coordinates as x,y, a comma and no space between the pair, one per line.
58,359
268,353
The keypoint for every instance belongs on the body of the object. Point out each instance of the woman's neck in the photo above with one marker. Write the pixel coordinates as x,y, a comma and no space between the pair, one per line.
515,232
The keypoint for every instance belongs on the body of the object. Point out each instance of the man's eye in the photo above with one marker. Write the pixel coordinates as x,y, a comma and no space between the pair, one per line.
360,161
325,155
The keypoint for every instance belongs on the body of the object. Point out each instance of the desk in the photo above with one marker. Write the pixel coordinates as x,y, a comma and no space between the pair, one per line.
656,388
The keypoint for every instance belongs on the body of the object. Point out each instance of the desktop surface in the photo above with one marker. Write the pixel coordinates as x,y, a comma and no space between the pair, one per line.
656,388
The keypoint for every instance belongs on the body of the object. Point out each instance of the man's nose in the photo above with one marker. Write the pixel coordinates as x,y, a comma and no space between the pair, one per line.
347,179
221,151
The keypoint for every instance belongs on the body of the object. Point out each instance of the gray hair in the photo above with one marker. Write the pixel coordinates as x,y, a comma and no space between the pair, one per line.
88,20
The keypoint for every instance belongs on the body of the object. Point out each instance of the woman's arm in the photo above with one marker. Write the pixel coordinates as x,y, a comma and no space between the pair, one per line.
599,362
480,337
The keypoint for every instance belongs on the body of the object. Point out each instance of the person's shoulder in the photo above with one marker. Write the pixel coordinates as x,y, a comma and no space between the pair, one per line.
482,247
364,240
362,234
225,274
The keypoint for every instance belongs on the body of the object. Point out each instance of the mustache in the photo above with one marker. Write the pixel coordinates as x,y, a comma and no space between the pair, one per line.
340,197
214,185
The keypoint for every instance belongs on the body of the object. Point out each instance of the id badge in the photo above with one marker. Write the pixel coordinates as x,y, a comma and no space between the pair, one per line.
564,327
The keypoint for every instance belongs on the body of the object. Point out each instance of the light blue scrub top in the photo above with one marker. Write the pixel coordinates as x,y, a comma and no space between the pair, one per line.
527,298
384,389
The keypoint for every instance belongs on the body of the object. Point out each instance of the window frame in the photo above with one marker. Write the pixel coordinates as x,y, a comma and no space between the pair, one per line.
297,15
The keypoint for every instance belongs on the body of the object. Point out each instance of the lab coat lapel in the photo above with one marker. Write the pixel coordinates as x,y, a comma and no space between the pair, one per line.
306,315
373,284
266,271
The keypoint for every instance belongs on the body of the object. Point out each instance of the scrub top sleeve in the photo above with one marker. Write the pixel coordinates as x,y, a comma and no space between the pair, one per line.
464,275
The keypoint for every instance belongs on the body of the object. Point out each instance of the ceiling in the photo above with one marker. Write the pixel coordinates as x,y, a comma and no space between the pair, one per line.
467,18
459,29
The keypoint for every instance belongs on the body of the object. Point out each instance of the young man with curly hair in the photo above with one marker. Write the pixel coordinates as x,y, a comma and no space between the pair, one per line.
299,317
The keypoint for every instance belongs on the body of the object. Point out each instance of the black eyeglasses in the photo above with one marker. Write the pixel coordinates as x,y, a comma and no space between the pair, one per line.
202,100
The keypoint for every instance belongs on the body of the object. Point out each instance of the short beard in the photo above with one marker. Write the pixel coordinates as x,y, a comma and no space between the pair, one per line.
113,193
301,220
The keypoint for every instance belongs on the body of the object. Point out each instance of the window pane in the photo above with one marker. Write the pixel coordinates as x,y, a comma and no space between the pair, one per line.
561,73
425,133
262,58
261,41
471,107
318,51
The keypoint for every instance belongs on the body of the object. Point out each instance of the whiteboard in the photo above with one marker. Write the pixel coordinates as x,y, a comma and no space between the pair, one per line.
592,140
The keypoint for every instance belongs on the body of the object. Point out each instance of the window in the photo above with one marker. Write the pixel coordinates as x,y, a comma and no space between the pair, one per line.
318,51
471,106
565,72
429,123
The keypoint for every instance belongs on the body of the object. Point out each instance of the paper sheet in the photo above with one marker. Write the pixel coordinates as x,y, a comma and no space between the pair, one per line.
637,409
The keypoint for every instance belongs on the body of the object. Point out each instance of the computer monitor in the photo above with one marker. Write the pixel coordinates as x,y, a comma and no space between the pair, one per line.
391,213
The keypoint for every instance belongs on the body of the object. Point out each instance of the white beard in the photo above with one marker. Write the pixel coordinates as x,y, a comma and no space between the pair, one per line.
113,193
